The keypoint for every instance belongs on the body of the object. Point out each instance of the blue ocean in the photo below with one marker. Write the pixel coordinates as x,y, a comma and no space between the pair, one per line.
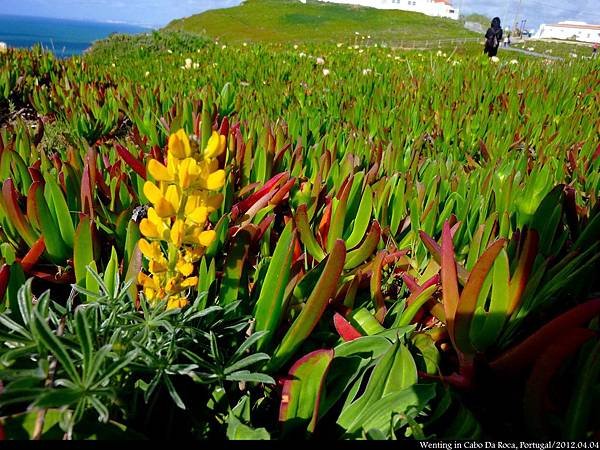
61,36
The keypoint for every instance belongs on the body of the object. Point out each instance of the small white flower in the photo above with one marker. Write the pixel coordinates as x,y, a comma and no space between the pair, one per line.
369,37
495,59
339,44
349,47
188,62
397,58
514,61
361,50
196,65
245,44
444,55
169,51
302,55
356,33
147,73
531,49
113,65
573,55
376,46
455,62
223,47
356,47
419,54
320,61
362,37
326,72
295,46
366,71
439,53
389,55
244,83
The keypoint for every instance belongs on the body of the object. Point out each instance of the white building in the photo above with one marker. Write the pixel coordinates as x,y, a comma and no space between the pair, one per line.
436,8
579,31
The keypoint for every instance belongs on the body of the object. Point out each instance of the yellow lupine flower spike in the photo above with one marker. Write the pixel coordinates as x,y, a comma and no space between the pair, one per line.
182,197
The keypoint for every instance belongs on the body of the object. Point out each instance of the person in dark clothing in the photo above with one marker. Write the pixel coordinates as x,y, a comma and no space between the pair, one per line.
493,37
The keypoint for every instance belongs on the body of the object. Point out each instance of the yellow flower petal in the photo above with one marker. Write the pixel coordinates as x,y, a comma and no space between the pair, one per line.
185,268
179,145
172,196
189,282
164,208
147,249
212,147
176,302
158,266
207,237
159,171
152,192
216,180
148,229
199,215
177,233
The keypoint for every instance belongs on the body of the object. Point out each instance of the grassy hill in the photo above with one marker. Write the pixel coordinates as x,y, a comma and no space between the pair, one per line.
292,21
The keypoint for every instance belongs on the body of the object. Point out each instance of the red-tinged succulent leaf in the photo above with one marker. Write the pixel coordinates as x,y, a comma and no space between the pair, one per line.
410,282
87,202
468,298
546,365
35,173
375,285
449,281
32,211
314,307
235,263
518,281
306,235
263,226
244,205
359,255
414,304
302,389
33,255
346,331
224,128
282,192
136,165
436,251
14,213
521,355
325,223
4,278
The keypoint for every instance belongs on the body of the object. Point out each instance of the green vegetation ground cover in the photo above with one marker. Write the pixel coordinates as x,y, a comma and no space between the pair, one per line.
291,21
562,49
400,243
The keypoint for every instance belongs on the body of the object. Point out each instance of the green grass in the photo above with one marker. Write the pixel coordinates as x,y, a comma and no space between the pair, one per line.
554,48
292,21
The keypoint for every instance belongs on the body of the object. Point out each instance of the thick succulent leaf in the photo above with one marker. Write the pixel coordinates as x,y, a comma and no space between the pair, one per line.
314,307
302,390
270,304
